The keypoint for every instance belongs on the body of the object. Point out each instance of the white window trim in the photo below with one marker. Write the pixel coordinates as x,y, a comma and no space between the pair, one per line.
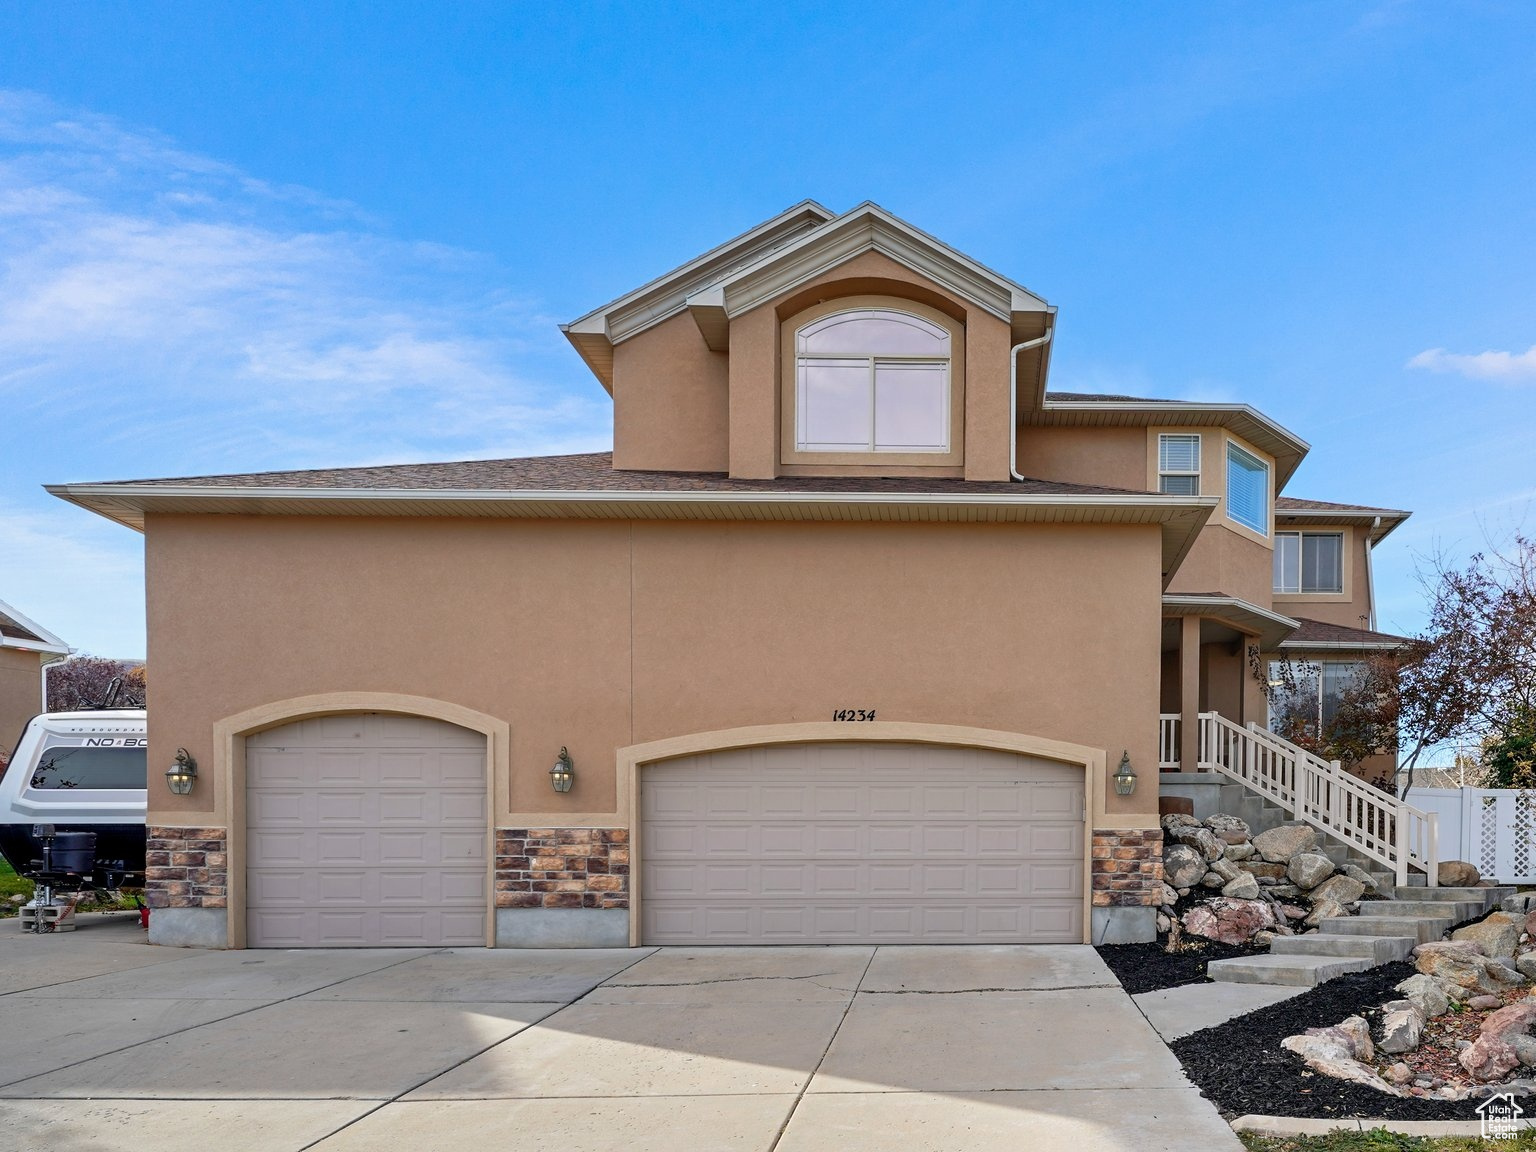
1163,438
873,363
1301,552
1266,513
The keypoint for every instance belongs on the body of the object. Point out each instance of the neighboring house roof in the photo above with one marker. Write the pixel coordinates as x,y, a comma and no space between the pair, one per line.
16,631
587,486
1291,512
785,252
1270,627
1082,409
1317,634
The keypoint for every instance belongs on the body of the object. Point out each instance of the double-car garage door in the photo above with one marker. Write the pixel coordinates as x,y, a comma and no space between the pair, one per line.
372,829
861,843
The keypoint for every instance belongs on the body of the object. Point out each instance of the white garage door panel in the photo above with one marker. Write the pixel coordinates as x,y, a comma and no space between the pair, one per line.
861,843
366,831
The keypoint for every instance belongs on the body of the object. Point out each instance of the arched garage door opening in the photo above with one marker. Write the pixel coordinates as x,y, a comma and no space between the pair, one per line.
366,830
861,843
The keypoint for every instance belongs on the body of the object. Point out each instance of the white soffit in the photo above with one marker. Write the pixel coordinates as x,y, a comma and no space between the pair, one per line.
46,641
1270,627
867,228
1352,518
595,334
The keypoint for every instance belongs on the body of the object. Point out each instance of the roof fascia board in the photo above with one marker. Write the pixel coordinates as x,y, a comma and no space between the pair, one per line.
870,228
1342,645
46,640
1354,518
662,297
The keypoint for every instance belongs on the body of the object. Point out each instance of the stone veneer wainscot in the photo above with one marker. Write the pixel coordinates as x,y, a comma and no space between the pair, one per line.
186,867
1127,867
562,868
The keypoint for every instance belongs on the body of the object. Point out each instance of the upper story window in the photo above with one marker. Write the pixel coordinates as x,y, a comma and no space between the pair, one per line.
1309,562
1178,463
1247,489
872,380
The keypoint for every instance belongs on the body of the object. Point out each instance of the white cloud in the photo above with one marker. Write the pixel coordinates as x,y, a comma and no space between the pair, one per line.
1503,367
155,288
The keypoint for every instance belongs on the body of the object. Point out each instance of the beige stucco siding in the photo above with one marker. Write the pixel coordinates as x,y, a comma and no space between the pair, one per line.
754,366
1112,457
599,635
1352,607
1227,561
20,694
670,401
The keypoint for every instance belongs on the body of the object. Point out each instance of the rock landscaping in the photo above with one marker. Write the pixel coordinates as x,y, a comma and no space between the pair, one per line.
1461,1026
1221,882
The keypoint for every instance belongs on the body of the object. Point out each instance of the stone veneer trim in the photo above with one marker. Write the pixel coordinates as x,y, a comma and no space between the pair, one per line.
186,867
1127,867
562,868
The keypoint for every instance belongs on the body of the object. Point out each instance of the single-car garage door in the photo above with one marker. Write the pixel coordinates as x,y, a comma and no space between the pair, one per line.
365,830
861,844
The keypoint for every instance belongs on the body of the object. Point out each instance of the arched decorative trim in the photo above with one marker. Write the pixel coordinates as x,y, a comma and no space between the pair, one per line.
633,759
229,769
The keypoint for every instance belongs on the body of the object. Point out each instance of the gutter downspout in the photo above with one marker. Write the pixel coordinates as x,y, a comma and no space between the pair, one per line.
43,676
1013,397
1370,580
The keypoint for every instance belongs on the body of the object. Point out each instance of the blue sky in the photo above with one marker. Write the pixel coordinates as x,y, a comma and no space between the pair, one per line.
236,237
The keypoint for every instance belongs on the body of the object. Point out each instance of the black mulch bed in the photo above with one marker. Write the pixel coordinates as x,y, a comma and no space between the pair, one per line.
1242,1069
1147,968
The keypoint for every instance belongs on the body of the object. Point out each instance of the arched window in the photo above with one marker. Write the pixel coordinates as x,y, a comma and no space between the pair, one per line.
872,380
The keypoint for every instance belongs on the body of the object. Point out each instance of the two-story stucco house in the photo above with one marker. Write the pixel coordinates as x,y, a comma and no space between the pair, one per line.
846,640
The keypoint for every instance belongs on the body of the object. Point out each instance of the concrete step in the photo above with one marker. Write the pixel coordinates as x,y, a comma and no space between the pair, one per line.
1422,928
1304,971
1488,897
1458,909
1377,949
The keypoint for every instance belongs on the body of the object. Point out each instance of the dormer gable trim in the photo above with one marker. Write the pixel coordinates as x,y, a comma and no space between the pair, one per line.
595,334
867,228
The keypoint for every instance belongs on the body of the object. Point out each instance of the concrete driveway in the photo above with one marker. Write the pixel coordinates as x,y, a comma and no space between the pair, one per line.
107,1043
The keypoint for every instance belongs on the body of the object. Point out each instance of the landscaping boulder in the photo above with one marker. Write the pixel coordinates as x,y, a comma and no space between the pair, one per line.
1426,993
1402,1025
1526,965
1284,891
1163,923
1170,895
1497,934
1212,881
1278,845
1202,840
1309,869
1237,852
1244,887
1493,1056
1182,865
1341,889
1458,874
1331,1052
1263,870
1173,821
1530,922
1230,829
1293,912
1323,910
1355,872
1227,870
1525,1049
1228,920
1456,963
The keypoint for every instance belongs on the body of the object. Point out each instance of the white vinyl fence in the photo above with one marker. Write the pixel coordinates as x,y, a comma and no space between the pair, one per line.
1493,829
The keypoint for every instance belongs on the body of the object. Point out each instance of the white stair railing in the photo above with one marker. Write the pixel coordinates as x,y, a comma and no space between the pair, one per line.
1167,741
1322,794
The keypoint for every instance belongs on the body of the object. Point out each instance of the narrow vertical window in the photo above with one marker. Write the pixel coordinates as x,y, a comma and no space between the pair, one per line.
1178,464
1247,489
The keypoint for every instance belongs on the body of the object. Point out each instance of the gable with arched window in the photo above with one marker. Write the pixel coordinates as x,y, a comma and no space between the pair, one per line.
872,381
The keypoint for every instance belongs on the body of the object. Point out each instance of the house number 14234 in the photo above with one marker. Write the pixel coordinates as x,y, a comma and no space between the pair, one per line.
854,714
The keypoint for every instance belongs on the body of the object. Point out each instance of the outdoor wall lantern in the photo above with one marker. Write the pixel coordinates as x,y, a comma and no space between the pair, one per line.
1125,779
182,774
563,774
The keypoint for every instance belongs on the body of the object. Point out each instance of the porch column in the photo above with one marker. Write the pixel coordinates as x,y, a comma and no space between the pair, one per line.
1189,694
